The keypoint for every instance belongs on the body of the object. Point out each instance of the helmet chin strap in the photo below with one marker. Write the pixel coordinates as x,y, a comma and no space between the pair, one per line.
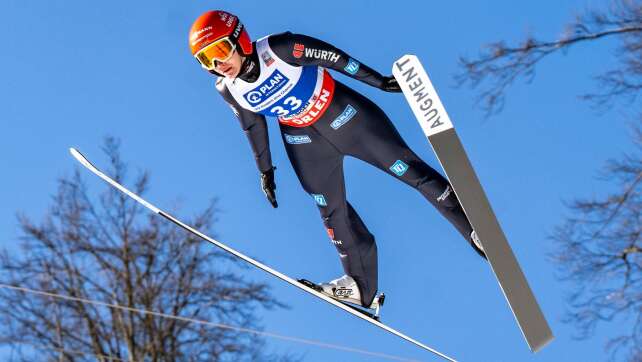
245,65
241,69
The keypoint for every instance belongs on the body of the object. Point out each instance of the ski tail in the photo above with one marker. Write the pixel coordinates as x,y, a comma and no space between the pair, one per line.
438,128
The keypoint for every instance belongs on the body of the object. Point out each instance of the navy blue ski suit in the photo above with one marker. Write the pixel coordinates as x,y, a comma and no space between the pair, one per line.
350,125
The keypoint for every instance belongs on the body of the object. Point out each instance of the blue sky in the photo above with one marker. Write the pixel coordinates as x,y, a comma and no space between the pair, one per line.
73,72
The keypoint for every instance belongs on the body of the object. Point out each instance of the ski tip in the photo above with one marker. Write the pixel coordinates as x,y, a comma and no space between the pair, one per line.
80,158
77,155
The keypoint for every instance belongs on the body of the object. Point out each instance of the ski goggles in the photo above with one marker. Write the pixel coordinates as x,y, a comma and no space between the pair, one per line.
220,50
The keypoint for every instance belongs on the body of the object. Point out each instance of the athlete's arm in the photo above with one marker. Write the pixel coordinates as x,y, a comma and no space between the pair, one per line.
298,49
255,129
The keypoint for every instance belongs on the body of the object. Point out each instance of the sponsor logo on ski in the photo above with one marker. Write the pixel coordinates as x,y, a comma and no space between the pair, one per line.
297,52
266,89
267,59
319,199
399,168
337,242
297,139
420,92
445,194
352,67
344,117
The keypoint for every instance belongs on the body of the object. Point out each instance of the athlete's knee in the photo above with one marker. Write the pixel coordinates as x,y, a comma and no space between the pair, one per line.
447,198
439,192
413,171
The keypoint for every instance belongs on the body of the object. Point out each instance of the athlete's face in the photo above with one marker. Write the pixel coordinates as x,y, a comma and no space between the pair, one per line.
231,67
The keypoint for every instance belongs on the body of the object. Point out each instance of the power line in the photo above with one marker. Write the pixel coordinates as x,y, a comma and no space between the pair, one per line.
210,324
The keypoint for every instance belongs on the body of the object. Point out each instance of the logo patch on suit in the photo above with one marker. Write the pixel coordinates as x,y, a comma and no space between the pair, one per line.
445,194
319,199
352,67
344,117
330,232
267,59
298,50
270,86
399,168
297,139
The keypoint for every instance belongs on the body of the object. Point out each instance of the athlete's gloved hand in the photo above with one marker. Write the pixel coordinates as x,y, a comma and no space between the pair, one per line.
268,186
390,85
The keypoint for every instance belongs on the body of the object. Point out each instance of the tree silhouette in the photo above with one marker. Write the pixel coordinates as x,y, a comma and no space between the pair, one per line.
598,247
110,249
499,65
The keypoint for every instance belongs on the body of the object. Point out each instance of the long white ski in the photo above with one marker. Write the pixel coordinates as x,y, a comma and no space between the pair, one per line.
436,124
345,307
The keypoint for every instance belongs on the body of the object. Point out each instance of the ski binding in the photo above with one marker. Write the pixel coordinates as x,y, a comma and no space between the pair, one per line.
373,313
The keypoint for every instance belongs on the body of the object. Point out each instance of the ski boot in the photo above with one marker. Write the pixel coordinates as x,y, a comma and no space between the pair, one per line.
346,291
476,244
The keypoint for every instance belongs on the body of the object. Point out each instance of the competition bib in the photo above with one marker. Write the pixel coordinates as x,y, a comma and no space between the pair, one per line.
297,95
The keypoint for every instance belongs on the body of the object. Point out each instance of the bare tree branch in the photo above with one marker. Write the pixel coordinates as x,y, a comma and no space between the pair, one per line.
116,252
499,65
598,246
599,249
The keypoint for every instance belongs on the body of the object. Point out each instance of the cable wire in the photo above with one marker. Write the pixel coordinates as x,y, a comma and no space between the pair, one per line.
211,324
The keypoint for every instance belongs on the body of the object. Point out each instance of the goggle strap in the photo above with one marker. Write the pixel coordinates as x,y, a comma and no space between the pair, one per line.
233,38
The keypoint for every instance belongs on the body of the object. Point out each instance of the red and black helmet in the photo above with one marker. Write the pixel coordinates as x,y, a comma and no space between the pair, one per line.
215,25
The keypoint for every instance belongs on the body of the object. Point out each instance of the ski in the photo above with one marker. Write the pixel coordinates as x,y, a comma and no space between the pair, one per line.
439,130
368,317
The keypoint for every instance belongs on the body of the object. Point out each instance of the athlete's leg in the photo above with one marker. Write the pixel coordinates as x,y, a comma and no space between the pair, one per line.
319,167
370,136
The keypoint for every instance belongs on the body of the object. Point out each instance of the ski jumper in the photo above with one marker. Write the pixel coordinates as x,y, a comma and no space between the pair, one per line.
321,122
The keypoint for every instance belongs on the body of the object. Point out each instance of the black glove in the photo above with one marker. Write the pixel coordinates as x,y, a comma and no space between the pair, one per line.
390,85
268,186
